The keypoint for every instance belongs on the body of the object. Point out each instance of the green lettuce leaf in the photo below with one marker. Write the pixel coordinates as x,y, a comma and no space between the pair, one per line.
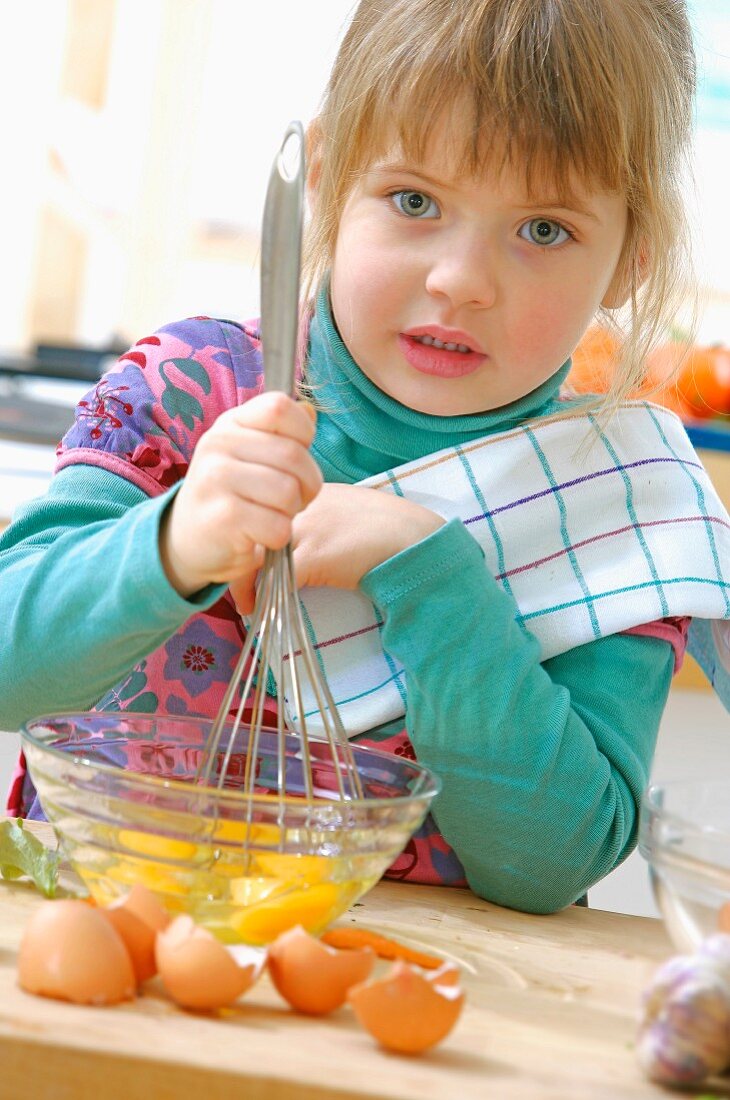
22,853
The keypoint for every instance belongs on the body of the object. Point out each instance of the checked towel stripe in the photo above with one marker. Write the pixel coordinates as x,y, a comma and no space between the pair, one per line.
591,530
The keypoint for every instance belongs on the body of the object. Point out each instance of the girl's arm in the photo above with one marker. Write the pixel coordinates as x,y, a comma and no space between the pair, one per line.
101,571
83,594
543,765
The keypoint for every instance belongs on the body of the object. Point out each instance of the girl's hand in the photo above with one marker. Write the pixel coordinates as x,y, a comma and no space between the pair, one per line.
250,474
348,530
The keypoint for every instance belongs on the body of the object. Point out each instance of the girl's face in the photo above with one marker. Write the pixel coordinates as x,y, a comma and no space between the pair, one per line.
456,295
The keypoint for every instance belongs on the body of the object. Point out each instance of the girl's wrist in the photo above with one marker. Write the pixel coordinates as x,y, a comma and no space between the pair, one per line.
424,524
185,582
412,523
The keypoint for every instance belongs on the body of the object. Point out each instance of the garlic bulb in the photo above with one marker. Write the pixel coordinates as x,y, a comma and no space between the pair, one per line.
685,1032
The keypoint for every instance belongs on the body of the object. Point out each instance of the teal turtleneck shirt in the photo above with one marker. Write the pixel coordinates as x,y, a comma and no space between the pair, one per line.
542,764
362,431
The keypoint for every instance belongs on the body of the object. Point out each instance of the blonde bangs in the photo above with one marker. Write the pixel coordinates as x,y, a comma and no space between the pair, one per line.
527,105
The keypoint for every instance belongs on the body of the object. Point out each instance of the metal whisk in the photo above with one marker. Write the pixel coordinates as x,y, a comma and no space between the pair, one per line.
277,638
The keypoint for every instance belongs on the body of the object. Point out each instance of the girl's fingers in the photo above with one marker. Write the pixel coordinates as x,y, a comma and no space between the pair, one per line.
243,591
260,449
262,485
261,524
275,413
251,473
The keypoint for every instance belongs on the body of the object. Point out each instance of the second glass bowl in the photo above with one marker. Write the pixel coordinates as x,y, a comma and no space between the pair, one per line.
685,838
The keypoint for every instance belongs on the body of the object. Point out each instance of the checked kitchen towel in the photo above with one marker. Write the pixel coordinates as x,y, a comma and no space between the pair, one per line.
591,530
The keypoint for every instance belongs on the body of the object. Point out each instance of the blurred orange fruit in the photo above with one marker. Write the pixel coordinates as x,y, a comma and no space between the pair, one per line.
699,379
593,361
704,381
660,380
693,382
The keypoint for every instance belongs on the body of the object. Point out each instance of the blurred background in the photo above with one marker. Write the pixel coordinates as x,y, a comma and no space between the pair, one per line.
142,133
138,138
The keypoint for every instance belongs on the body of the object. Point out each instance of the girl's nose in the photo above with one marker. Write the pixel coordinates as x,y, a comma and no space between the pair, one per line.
465,274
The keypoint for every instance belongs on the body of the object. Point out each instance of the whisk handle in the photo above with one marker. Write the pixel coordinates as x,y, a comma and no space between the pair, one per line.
281,249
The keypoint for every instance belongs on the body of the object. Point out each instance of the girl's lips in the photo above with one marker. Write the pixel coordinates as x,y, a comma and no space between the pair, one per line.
444,335
438,361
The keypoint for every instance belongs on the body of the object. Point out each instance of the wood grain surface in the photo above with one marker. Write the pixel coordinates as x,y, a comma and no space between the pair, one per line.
551,1011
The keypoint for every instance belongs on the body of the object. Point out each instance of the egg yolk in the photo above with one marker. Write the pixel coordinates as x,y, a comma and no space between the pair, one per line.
157,847
312,908
251,897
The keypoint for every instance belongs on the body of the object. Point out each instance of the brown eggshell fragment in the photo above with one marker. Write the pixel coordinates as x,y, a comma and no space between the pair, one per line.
138,917
71,952
447,974
312,977
198,971
405,1011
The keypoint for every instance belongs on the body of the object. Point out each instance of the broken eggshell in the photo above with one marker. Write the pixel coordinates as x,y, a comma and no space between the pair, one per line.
407,1011
69,951
138,917
198,971
447,974
312,977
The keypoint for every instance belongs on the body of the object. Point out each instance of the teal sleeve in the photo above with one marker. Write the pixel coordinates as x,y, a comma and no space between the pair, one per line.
83,594
543,764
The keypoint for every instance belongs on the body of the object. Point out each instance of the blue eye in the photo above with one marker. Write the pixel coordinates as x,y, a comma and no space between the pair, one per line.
415,204
544,232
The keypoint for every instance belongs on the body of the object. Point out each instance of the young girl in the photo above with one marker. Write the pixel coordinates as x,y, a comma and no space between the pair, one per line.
485,177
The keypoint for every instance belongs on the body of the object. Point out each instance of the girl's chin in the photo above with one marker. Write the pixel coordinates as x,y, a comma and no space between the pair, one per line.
420,398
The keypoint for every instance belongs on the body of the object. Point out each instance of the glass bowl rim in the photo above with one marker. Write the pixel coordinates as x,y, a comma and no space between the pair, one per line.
673,817
432,782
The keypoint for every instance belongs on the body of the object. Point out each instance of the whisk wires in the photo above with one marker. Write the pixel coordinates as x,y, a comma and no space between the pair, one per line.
277,640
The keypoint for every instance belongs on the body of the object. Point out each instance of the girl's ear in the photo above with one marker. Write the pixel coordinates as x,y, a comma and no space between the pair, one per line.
314,159
630,273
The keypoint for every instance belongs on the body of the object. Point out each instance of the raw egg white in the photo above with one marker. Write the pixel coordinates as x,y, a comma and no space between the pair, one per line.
312,977
71,952
407,1011
198,971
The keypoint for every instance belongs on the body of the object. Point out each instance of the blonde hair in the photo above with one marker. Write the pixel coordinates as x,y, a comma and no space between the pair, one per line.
598,90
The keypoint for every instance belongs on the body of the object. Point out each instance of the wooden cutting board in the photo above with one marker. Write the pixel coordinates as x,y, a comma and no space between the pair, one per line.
550,1013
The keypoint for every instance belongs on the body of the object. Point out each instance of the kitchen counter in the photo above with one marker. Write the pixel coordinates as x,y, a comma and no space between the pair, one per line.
550,1014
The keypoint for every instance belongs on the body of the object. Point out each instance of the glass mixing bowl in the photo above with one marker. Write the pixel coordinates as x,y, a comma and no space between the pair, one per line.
685,837
121,792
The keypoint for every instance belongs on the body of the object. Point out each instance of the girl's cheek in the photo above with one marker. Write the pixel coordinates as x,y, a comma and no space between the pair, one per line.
542,339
